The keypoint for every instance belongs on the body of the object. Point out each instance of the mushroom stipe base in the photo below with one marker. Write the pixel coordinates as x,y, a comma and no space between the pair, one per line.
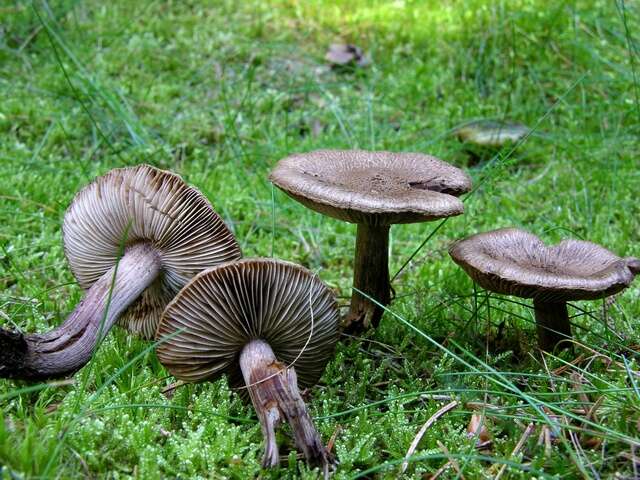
69,347
273,388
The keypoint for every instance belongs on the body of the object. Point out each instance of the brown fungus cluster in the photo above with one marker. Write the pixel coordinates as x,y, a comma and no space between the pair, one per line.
153,255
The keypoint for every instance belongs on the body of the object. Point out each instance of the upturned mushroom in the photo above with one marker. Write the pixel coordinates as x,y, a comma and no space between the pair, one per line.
133,238
374,190
268,325
515,262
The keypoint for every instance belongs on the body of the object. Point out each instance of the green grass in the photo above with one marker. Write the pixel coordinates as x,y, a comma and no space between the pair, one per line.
218,91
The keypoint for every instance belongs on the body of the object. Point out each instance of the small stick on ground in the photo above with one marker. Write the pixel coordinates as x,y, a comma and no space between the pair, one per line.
440,471
573,363
421,432
439,398
452,460
527,433
332,440
170,389
547,441
591,414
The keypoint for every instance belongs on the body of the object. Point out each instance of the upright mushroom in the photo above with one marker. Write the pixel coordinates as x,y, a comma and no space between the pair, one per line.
133,238
515,262
254,320
374,190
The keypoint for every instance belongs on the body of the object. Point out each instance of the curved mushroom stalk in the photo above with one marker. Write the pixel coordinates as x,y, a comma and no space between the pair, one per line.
170,227
216,323
370,276
273,388
69,347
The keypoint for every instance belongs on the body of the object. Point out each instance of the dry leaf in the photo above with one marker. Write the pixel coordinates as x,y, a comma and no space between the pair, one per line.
477,428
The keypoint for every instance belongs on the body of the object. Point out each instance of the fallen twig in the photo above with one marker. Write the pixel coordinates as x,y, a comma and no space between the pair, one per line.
591,414
440,471
332,440
423,429
527,433
452,460
170,389
569,365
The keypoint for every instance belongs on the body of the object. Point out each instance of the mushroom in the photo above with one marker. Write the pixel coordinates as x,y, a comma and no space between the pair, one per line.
344,55
491,133
373,190
515,262
253,320
133,238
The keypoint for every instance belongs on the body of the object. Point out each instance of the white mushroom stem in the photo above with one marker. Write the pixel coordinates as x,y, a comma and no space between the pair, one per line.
370,276
69,347
273,388
552,323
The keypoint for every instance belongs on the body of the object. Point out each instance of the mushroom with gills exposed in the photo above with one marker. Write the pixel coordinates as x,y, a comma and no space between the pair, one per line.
374,190
515,262
133,238
267,324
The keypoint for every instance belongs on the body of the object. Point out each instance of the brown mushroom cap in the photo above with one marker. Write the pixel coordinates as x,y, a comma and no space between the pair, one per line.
224,308
346,54
142,204
380,188
515,262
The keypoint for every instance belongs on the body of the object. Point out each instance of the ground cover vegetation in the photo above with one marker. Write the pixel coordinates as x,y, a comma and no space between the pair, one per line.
218,91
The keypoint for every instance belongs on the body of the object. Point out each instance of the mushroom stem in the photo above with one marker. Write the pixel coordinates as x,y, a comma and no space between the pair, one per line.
371,276
69,347
552,320
273,388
